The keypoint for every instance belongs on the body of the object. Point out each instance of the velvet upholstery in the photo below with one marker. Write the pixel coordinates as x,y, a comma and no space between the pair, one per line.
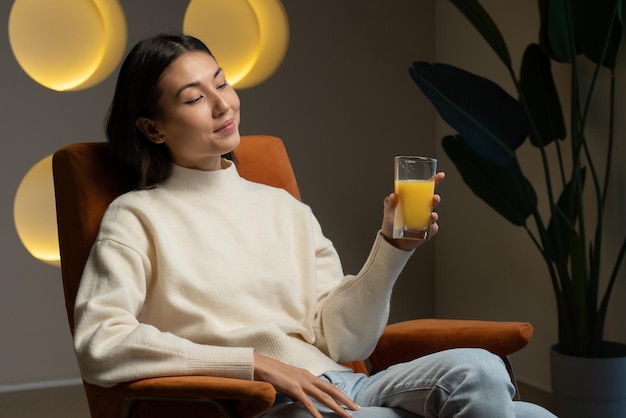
86,180
408,340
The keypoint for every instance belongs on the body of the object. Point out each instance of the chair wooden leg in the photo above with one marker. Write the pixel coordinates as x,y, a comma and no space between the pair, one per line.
509,367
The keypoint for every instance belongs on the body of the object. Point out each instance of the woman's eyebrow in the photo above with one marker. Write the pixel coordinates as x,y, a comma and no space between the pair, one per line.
186,86
197,83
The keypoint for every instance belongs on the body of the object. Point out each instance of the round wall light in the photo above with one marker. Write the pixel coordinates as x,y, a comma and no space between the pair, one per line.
249,38
34,213
67,44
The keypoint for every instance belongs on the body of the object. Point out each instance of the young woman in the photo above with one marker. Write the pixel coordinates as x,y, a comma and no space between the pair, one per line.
200,272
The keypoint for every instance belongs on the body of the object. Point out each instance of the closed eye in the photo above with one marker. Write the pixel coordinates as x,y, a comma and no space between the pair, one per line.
196,100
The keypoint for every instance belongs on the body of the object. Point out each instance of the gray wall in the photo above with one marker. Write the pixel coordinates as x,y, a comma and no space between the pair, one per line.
342,101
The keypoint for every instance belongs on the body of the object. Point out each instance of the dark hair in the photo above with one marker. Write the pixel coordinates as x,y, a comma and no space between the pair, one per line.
136,95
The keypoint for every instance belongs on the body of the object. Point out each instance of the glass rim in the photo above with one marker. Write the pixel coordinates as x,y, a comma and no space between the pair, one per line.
415,157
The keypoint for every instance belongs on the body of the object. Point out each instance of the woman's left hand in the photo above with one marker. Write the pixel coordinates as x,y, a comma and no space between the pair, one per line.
389,205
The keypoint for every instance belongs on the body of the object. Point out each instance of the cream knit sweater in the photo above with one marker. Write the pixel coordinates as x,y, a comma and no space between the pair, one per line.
188,278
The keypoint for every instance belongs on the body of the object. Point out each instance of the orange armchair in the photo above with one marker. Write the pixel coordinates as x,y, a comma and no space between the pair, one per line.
86,180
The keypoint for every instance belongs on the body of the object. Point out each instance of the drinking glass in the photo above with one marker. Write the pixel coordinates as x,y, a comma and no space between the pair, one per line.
414,186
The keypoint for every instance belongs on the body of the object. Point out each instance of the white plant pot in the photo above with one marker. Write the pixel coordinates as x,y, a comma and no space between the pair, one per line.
589,387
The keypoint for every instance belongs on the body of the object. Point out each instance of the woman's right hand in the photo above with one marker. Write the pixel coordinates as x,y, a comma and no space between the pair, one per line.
301,386
389,205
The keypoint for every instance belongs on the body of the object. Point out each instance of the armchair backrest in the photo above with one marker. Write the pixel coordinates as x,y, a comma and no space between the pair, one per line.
87,180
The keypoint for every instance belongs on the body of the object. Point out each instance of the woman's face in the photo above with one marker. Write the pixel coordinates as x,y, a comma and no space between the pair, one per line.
199,112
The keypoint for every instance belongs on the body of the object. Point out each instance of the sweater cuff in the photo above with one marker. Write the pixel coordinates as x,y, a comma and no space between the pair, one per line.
395,255
384,261
232,362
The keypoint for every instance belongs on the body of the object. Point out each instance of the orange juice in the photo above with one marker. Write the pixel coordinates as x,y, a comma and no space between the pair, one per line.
415,203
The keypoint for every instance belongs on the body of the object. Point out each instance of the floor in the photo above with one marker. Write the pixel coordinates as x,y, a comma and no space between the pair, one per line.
65,402
69,402
534,395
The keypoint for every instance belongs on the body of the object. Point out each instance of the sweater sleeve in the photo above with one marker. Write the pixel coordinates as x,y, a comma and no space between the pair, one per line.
353,314
112,345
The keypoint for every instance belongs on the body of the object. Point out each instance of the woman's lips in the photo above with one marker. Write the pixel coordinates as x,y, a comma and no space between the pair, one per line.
227,126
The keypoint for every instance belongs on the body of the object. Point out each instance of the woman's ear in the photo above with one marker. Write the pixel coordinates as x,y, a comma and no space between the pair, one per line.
149,129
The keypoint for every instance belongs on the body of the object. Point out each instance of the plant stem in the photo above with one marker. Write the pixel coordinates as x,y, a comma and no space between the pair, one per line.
598,326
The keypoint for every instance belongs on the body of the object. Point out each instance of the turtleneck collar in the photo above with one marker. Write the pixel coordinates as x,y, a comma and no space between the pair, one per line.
192,180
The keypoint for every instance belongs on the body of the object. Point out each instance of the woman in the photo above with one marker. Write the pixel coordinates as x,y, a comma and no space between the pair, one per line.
200,272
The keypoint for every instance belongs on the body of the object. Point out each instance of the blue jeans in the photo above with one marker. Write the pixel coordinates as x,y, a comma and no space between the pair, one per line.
464,382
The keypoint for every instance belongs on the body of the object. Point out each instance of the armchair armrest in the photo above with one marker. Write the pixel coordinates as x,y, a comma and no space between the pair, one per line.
405,341
171,396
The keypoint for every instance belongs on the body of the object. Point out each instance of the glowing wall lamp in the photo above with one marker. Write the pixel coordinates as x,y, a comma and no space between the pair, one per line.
249,38
34,213
67,44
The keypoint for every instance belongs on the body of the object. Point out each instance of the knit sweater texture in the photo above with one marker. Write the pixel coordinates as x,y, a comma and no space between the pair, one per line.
194,275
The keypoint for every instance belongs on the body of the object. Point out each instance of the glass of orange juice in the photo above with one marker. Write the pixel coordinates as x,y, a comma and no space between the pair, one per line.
414,186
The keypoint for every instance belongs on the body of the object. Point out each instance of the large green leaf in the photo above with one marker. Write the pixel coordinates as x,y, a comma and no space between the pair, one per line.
600,28
483,23
590,27
557,29
491,121
505,189
542,100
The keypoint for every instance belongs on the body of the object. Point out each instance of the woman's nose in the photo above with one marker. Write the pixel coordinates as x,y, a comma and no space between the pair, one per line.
220,105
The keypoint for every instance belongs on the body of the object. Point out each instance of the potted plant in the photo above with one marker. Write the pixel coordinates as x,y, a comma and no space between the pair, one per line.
492,125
